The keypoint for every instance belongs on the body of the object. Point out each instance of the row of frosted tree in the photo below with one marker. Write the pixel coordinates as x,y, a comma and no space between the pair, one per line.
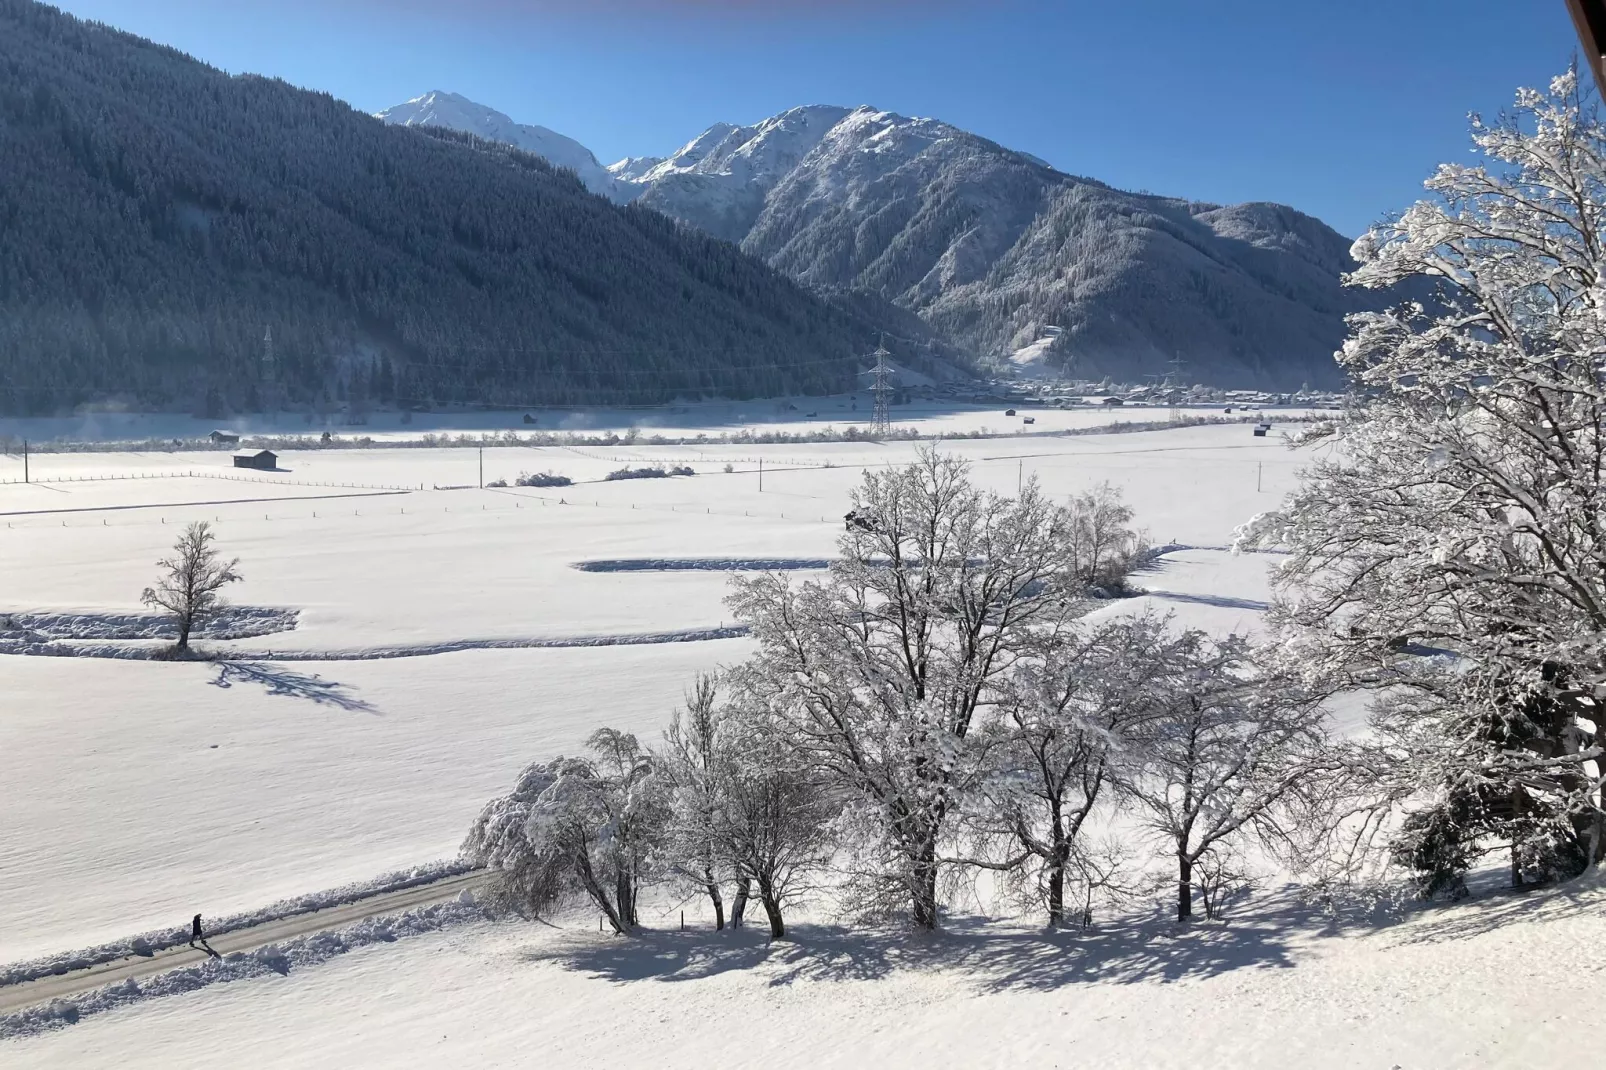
941,703
954,698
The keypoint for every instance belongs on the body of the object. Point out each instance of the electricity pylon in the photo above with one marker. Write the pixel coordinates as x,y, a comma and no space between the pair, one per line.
881,420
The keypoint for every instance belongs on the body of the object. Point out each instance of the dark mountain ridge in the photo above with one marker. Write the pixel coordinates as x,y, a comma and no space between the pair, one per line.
159,217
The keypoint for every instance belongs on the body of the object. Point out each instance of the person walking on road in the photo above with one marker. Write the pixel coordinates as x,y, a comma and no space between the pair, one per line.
198,936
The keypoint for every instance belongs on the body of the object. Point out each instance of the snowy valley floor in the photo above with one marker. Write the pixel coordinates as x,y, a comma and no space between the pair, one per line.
1469,986
138,792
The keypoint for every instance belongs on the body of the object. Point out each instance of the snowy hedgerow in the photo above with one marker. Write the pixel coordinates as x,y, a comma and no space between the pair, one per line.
542,479
1461,507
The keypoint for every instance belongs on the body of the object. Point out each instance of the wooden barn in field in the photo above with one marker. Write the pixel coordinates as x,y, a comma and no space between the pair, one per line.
224,438
263,460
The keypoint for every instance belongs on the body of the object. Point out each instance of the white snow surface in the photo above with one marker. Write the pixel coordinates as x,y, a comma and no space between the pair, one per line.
455,112
139,792
1470,986
122,814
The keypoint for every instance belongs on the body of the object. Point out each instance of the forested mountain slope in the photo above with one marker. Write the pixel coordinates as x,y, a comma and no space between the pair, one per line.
158,217
988,246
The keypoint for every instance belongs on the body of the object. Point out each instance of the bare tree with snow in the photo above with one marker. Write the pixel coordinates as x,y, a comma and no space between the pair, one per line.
1063,733
1229,738
192,581
584,825
883,670
1104,547
1449,546
692,765
745,803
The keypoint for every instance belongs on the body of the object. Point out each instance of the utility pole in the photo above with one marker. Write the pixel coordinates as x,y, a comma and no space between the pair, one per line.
25,460
482,467
1259,465
1020,477
881,420
761,475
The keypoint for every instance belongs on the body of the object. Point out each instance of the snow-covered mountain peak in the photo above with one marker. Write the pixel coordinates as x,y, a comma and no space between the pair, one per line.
633,168
456,112
760,154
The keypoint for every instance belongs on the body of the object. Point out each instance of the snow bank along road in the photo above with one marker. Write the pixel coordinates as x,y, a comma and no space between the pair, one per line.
15,997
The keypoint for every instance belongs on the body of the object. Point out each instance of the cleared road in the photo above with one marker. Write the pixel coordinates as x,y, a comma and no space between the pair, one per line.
14,998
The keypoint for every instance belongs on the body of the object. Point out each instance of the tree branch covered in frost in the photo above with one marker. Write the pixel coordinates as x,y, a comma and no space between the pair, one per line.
884,671
745,807
1463,507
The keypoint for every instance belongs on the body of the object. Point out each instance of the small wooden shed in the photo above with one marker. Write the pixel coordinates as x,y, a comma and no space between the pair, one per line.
224,438
264,460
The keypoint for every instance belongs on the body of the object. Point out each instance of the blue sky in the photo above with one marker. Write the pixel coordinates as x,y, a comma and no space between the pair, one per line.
1338,108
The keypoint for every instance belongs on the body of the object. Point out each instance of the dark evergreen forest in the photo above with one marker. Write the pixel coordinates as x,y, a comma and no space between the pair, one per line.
158,217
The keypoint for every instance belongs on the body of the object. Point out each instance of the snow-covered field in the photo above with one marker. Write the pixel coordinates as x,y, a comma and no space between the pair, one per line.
138,792
327,771
1470,987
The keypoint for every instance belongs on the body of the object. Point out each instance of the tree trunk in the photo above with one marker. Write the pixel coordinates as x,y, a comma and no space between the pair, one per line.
626,902
744,890
1516,851
185,622
772,907
714,897
1056,893
923,887
600,897
1184,887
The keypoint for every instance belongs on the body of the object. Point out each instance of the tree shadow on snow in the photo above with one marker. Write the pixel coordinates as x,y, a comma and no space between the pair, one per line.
281,681
1225,601
1436,923
991,957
